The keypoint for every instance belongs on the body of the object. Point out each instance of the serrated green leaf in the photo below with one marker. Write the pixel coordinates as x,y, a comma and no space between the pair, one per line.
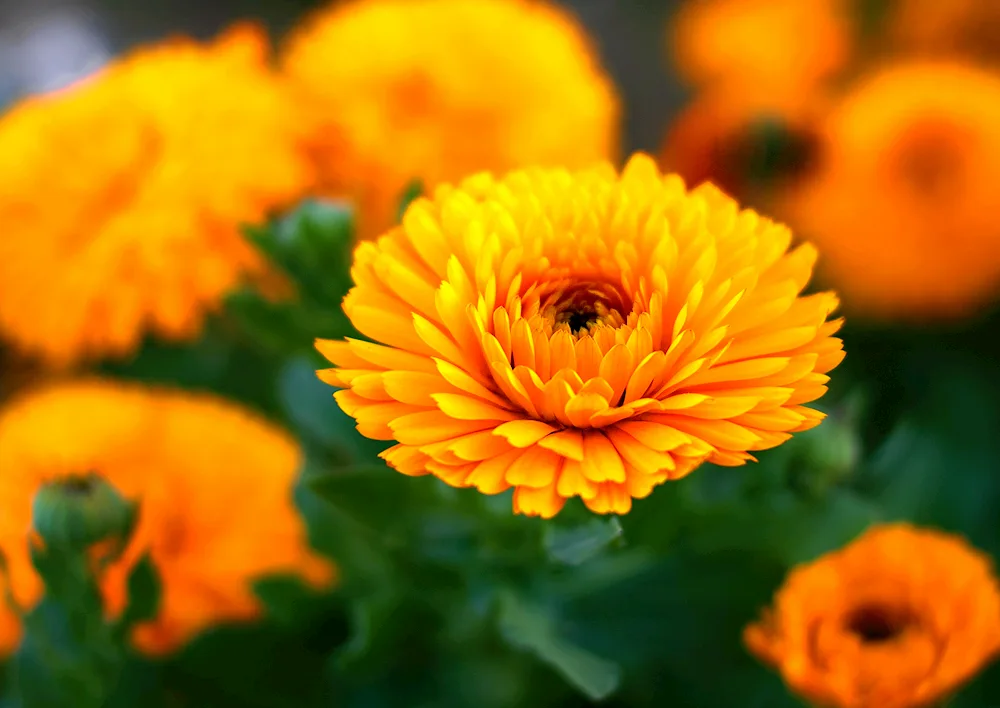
577,545
529,627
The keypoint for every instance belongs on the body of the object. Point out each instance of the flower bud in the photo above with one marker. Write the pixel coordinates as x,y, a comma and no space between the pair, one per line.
76,512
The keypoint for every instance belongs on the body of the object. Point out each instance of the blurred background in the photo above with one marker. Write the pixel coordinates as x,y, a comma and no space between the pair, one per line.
47,43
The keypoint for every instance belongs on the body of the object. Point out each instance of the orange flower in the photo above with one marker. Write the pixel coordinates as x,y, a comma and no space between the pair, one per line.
968,27
901,205
760,46
121,197
581,334
727,139
439,89
214,484
899,618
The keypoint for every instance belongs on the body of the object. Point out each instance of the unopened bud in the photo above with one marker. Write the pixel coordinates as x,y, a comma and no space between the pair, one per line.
76,512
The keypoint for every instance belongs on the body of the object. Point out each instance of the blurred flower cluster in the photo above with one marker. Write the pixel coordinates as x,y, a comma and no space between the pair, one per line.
809,109
365,366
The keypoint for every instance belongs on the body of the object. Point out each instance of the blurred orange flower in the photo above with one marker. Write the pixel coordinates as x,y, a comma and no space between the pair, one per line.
581,334
901,203
963,27
899,618
439,89
729,140
121,196
760,46
214,482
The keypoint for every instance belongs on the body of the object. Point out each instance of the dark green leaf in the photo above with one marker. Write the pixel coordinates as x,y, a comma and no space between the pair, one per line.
144,594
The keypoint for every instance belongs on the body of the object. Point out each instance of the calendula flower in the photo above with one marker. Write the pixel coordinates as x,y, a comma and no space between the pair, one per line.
901,201
436,90
213,482
581,334
122,196
957,27
742,143
760,46
900,618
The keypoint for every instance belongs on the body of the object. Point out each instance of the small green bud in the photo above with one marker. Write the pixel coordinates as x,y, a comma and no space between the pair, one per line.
76,512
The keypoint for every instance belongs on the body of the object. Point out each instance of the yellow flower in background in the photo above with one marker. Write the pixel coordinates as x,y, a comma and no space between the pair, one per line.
902,202
581,334
900,618
760,46
122,196
214,483
439,89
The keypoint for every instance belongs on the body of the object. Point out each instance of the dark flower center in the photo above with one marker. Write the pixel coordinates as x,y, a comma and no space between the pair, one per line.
580,320
875,623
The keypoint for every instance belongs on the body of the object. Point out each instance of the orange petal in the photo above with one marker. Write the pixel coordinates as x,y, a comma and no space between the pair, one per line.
537,467
544,502
568,443
523,433
462,407
432,426
601,461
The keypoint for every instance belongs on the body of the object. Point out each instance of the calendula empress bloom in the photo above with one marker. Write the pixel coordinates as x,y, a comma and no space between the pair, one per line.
764,47
901,201
900,618
214,485
400,90
122,196
581,334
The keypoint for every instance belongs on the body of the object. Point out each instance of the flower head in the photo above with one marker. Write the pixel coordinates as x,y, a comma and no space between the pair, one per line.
430,89
740,142
121,196
958,27
216,508
901,201
898,619
760,46
581,334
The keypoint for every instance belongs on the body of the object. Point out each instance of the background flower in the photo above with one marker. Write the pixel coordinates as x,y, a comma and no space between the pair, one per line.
897,619
900,201
760,46
392,103
213,481
581,334
171,150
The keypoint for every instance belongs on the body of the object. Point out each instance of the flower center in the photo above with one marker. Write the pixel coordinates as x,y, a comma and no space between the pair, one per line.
874,624
583,306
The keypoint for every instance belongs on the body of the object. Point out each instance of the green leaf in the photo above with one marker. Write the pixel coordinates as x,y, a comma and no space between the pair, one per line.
413,190
288,600
145,593
574,546
531,628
